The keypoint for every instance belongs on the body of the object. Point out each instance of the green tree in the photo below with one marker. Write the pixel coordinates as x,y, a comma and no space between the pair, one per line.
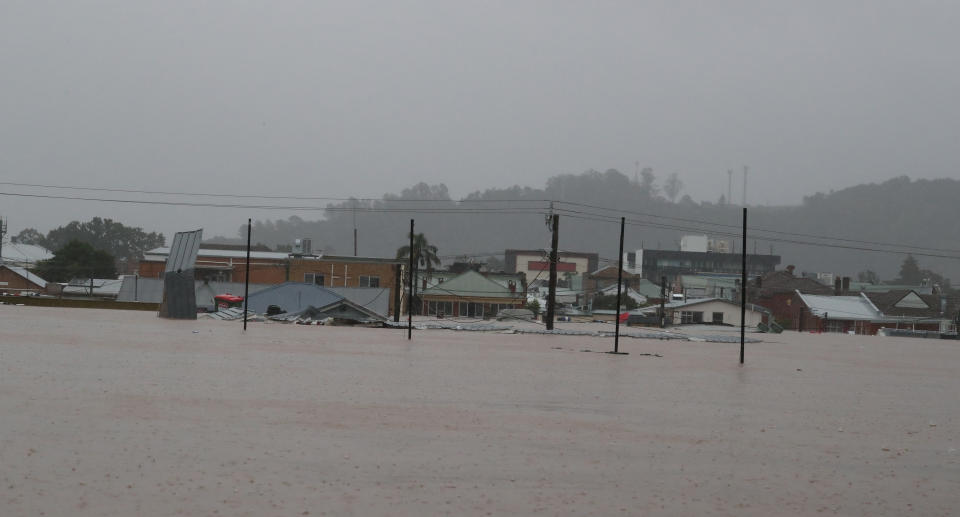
672,186
648,180
868,276
424,256
609,302
77,260
910,273
29,236
533,306
123,242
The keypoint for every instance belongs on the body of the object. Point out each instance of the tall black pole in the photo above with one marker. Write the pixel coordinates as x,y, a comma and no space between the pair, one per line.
554,258
616,335
663,301
397,286
410,282
743,285
246,279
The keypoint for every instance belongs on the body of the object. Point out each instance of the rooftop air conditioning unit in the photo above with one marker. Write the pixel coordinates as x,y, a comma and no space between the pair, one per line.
302,247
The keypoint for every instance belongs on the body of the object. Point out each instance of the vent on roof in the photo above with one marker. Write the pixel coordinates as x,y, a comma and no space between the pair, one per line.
302,247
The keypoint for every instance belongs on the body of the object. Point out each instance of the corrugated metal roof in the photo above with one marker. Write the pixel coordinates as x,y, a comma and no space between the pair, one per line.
841,307
101,286
27,275
472,284
150,290
375,299
292,297
182,254
24,254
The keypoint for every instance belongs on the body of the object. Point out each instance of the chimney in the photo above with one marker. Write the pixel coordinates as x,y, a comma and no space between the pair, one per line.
790,269
846,285
837,287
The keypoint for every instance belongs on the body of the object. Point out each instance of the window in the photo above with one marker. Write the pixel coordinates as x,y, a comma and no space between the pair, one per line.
370,281
691,317
437,308
313,278
835,326
718,317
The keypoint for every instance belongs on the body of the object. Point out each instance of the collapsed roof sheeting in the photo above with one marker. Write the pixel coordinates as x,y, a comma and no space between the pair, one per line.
342,309
183,251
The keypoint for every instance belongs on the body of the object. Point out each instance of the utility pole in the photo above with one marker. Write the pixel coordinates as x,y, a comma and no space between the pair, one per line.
354,227
246,279
3,232
743,286
616,335
410,281
663,301
554,258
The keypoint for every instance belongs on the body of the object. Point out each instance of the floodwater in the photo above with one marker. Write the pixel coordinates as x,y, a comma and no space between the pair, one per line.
121,413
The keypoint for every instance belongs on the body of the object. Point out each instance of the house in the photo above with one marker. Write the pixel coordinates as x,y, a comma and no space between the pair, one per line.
776,291
605,277
906,308
17,280
866,314
270,267
630,292
473,294
717,311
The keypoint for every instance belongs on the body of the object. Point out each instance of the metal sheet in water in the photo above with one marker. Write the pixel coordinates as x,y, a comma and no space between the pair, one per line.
183,250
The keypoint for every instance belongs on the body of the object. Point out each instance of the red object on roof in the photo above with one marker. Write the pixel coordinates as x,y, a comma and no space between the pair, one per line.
624,317
542,265
229,298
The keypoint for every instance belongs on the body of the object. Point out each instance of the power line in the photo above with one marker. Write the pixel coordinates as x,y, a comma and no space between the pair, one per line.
264,196
576,214
514,210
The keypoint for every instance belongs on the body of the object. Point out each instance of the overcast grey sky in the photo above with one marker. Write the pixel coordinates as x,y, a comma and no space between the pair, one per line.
361,98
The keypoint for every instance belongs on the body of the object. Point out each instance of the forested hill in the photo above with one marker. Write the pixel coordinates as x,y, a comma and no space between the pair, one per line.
922,214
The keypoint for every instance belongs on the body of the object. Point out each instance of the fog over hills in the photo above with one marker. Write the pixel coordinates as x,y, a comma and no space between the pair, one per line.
865,227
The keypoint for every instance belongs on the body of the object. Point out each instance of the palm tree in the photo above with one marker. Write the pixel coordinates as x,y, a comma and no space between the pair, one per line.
424,255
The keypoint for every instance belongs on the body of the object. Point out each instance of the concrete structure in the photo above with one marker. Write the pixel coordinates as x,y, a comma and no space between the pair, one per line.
535,264
653,264
17,280
694,243
709,285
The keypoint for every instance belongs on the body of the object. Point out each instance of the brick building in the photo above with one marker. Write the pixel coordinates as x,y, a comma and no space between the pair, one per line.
270,267
777,292
862,314
17,280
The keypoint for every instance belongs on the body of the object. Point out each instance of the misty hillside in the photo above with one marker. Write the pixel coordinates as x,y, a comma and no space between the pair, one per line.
918,213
